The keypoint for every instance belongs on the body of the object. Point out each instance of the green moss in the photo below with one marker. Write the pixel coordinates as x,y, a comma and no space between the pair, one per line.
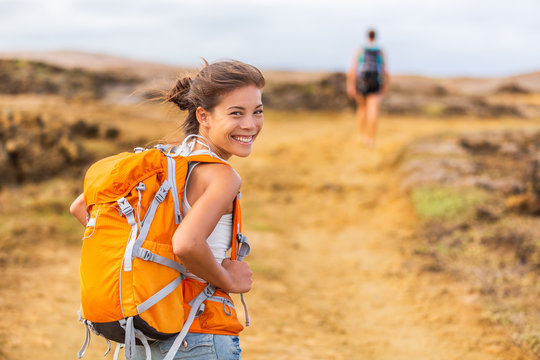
307,89
433,109
446,203
21,63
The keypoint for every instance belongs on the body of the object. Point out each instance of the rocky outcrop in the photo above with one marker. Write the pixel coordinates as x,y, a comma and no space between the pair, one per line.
420,97
28,77
34,147
504,162
328,93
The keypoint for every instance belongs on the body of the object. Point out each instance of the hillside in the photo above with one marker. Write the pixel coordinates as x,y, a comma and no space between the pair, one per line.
529,82
517,96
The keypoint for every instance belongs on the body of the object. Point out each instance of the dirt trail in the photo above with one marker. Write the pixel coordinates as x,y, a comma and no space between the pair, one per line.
339,280
333,242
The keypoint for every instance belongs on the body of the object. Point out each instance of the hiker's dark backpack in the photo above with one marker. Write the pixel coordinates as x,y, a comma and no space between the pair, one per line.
369,73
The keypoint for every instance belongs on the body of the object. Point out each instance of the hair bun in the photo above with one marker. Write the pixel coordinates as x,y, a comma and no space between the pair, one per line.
178,94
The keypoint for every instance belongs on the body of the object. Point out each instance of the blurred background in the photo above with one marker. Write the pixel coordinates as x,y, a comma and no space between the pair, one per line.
426,244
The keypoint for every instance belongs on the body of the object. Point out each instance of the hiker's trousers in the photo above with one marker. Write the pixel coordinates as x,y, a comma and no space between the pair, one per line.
199,347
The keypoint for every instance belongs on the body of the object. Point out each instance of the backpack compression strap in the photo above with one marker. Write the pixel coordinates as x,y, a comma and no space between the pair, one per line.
206,293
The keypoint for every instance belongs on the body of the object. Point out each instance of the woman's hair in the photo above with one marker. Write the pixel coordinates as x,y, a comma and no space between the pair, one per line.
208,86
371,34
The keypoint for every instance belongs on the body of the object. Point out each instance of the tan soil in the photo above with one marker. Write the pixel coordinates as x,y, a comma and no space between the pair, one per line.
333,241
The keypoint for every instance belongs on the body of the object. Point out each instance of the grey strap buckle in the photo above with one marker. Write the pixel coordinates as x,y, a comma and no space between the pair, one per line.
241,238
125,206
200,310
244,247
145,254
160,195
209,290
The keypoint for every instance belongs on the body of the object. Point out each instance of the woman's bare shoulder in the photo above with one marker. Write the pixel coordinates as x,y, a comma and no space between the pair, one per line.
218,176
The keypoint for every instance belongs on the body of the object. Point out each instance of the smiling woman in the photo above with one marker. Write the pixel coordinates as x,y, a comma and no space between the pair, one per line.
224,117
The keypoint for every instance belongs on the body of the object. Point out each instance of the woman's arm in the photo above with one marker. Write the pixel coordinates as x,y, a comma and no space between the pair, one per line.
78,209
219,186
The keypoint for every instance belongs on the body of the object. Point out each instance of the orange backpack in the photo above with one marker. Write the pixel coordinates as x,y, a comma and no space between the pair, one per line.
133,287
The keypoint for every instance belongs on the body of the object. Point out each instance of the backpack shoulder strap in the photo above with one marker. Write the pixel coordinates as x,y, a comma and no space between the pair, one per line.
237,227
206,158
240,246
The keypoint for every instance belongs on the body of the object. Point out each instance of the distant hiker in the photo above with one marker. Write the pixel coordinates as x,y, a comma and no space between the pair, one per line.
224,116
367,83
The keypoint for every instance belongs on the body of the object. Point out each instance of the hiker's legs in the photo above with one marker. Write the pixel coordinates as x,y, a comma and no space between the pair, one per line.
372,114
361,114
199,346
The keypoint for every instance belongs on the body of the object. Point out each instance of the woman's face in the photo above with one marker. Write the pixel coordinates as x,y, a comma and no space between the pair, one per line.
234,123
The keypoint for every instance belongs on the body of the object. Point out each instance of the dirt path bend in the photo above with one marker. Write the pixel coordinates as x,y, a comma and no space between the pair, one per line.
333,253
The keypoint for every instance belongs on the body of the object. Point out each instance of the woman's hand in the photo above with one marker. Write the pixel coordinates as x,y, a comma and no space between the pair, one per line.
241,276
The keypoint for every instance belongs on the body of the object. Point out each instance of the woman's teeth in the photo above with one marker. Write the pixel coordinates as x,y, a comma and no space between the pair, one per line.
244,139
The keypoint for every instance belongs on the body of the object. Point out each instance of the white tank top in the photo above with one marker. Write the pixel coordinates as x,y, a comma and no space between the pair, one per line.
220,239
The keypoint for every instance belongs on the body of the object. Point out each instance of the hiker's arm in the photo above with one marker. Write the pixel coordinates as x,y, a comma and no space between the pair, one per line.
351,77
189,240
78,209
386,81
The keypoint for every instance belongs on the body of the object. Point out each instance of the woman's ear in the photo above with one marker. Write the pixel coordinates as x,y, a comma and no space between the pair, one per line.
202,116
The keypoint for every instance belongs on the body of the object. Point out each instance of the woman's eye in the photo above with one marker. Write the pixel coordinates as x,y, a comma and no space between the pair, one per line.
259,112
236,113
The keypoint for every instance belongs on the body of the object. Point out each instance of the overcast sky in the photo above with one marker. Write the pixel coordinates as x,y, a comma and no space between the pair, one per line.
427,37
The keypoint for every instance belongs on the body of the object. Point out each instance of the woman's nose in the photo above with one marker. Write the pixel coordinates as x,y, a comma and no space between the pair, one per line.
248,122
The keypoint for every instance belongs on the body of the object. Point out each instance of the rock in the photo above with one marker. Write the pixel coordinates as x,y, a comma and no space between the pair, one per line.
111,132
483,143
487,213
512,88
33,148
85,129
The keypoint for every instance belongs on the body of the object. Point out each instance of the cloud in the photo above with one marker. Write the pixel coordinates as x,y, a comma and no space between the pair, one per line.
421,36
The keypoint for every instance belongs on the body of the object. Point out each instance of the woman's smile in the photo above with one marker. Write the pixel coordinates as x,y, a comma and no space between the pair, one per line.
244,139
